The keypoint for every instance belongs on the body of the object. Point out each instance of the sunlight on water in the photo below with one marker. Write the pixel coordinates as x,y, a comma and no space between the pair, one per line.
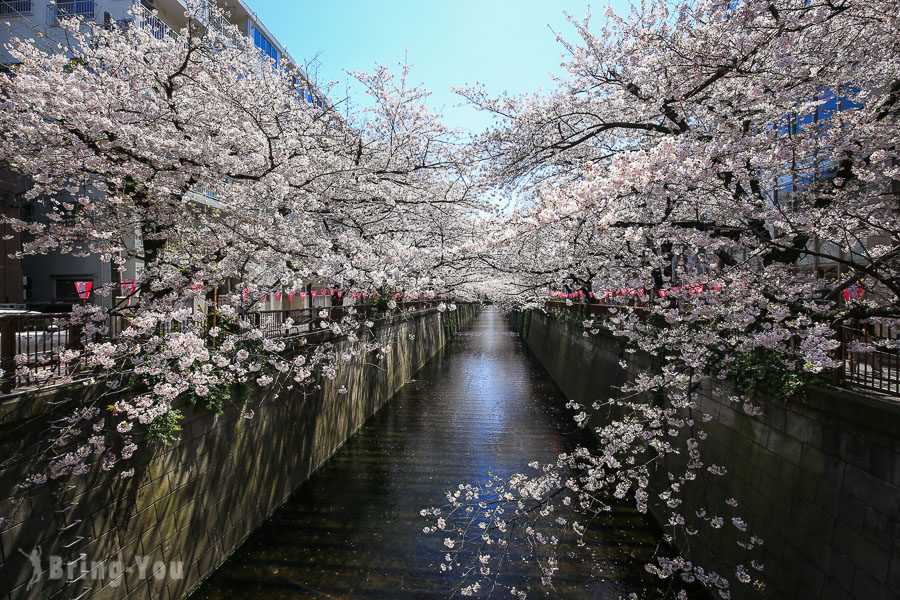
354,530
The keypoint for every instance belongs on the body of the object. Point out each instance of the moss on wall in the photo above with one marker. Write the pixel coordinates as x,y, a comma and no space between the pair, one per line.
195,501
818,478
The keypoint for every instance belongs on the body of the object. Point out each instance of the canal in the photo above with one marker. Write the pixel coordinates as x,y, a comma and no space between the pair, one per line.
354,529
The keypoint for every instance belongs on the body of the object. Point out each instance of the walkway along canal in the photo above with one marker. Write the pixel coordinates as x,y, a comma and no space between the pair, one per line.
354,529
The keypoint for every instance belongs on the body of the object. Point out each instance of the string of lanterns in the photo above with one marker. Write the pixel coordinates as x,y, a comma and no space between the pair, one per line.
852,292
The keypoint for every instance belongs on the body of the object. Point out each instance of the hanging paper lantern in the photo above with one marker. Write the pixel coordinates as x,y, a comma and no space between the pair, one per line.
854,292
83,288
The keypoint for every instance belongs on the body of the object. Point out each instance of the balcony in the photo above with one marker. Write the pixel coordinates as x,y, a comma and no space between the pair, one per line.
14,8
150,21
65,9
212,20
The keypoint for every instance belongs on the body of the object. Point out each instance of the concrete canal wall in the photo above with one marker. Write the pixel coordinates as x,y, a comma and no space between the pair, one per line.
190,505
818,479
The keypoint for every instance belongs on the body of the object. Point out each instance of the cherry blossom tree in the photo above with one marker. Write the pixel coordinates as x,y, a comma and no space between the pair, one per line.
725,174
196,158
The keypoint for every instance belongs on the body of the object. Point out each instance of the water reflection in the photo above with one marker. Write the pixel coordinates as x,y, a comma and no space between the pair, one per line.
354,530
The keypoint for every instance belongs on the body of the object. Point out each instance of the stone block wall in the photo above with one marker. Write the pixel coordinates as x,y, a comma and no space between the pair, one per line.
818,479
192,504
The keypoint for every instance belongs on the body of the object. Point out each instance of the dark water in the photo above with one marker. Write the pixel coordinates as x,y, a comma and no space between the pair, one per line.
354,529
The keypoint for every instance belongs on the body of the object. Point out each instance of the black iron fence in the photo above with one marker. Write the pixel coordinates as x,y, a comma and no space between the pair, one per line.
869,354
32,346
866,361
11,8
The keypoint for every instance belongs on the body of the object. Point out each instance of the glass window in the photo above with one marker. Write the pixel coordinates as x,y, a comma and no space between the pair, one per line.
264,44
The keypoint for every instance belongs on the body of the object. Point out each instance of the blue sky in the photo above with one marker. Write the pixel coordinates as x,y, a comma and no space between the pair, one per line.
506,44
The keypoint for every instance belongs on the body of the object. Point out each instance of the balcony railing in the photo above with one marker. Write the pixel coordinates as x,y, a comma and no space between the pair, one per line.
66,9
12,8
151,22
213,20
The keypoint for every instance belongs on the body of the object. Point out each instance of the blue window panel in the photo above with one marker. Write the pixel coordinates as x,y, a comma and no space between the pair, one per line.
848,92
829,107
266,46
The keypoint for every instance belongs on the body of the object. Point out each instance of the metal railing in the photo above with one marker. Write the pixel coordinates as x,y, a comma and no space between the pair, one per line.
591,309
70,8
864,364
212,19
11,8
151,22
31,345
278,323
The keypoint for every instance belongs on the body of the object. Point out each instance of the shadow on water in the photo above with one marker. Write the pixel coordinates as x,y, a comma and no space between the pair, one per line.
354,530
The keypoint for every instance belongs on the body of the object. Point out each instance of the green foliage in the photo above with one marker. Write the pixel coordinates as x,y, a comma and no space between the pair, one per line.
571,314
379,299
164,430
450,321
769,374
214,400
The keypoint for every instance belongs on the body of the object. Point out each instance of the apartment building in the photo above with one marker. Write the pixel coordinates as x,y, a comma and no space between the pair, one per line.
50,282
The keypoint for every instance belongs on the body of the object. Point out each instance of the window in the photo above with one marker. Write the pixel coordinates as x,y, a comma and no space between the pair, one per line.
264,44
